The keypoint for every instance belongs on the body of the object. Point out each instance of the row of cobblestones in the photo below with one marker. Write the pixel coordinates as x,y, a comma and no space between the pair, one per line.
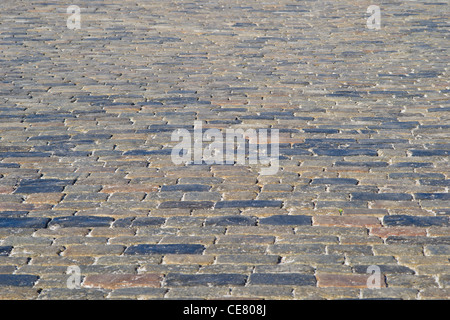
87,179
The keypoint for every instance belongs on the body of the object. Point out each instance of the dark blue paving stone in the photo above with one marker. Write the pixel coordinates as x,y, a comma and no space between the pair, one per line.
37,223
385,269
5,250
328,141
334,181
342,93
143,249
345,152
92,136
81,222
39,189
293,279
418,240
24,154
429,153
9,165
248,203
148,221
295,152
13,214
42,185
287,220
50,138
187,188
257,117
123,223
372,164
17,280
244,24
187,204
442,182
432,196
319,130
381,196
412,165
230,110
231,221
148,152
224,279
439,109
417,221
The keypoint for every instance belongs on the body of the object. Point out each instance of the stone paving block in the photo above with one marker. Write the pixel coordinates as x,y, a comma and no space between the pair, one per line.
5,250
115,281
143,249
177,280
19,280
37,223
68,294
404,220
93,250
344,280
80,222
286,220
138,293
231,220
340,221
293,279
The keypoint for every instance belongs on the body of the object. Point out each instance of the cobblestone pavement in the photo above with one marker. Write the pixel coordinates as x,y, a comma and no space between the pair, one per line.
87,180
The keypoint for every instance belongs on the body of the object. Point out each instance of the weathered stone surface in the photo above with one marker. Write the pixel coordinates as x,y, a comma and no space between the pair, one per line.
87,175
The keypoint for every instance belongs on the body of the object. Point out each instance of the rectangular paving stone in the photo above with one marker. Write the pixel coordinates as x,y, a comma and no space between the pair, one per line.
179,280
36,223
186,188
115,281
42,186
5,250
341,221
18,280
231,220
385,269
248,203
334,181
80,222
146,249
286,220
295,279
416,221
345,280
381,196
148,221
418,240
437,250
186,204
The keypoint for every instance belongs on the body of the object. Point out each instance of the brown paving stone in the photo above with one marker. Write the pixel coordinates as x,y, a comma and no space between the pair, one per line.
398,231
344,280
